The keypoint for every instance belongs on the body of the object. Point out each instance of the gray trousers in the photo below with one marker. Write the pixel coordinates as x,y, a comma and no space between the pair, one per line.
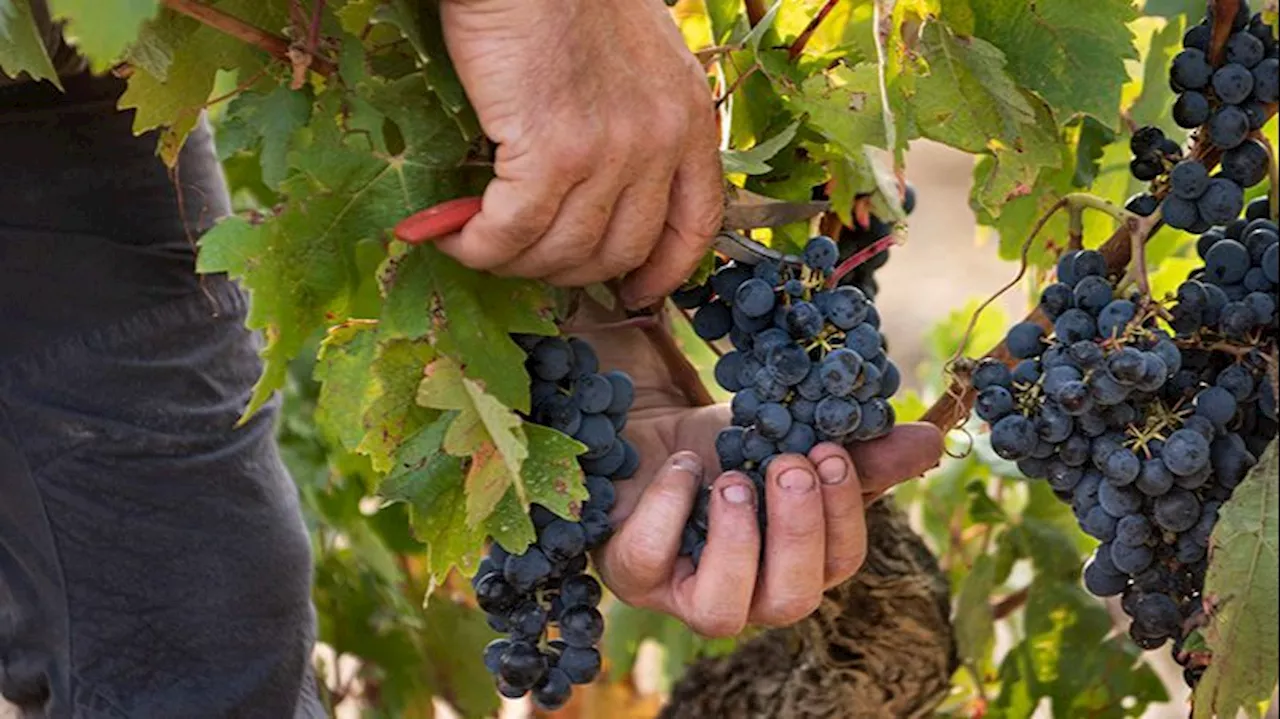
153,558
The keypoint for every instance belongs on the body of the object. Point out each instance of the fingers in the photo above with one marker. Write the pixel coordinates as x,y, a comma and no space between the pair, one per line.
795,543
694,215
573,236
643,553
842,512
632,232
514,214
715,601
908,451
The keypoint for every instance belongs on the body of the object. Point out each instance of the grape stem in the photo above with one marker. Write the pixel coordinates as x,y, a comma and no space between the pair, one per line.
1138,234
274,45
1273,173
860,257
1224,15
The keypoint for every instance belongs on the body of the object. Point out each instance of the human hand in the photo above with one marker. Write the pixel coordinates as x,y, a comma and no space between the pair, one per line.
816,532
607,145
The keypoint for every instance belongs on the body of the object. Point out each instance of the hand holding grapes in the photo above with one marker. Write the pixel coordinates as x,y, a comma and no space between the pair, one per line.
815,536
607,155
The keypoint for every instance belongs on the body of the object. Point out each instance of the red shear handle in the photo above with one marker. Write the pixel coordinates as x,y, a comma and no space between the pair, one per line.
436,222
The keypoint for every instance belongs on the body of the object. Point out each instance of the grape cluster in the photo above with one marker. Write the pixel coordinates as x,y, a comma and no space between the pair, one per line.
808,365
1227,102
547,585
1145,433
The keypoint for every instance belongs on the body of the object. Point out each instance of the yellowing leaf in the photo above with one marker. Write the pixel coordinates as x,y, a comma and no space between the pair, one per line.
485,430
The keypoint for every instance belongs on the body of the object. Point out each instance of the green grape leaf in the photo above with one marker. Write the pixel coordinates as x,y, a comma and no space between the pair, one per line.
842,104
1067,657
268,120
432,482
1070,53
1154,104
630,626
1013,169
1090,145
356,14
342,368
755,161
102,30
420,25
469,316
551,474
197,53
974,622
1053,551
1174,8
484,430
967,99
301,265
392,412
451,634
22,49
1241,586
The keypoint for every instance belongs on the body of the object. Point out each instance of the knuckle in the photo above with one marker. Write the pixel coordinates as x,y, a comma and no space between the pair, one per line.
576,156
790,609
623,256
717,624
843,566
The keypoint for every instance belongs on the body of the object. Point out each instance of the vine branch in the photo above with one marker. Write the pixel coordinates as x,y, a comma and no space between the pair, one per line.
274,45
797,46
755,11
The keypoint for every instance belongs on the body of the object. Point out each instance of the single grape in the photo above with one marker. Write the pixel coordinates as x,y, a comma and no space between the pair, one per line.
712,321
580,664
1099,525
1228,127
1092,293
754,297
1197,36
1119,501
836,417
1074,325
821,253
1244,49
1222,201
1232,83
1191,110
1245,165
1145,140
990,373
581,626
1266,86
1190,69
1176,511
1180,214
1155,478
1144,204
1014,437
1101,577
841,372
1133,530
553,691
1216,405
521,666
1024,340
1131,560
1189,179
1185,452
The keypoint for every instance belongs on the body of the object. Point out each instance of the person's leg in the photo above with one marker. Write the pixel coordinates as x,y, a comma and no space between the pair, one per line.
153,558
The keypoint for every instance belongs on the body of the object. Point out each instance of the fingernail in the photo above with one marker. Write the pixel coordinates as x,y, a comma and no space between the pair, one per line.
736,493
832,470
688,462
796,480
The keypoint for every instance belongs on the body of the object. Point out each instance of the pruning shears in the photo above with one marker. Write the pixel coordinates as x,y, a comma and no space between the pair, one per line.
743,211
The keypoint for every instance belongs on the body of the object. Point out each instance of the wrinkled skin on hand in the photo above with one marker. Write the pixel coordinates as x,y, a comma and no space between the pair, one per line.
816,532
607,158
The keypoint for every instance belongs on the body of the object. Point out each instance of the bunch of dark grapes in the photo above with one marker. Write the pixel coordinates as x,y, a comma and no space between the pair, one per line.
1145,433
808,365
1226,103
547,585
